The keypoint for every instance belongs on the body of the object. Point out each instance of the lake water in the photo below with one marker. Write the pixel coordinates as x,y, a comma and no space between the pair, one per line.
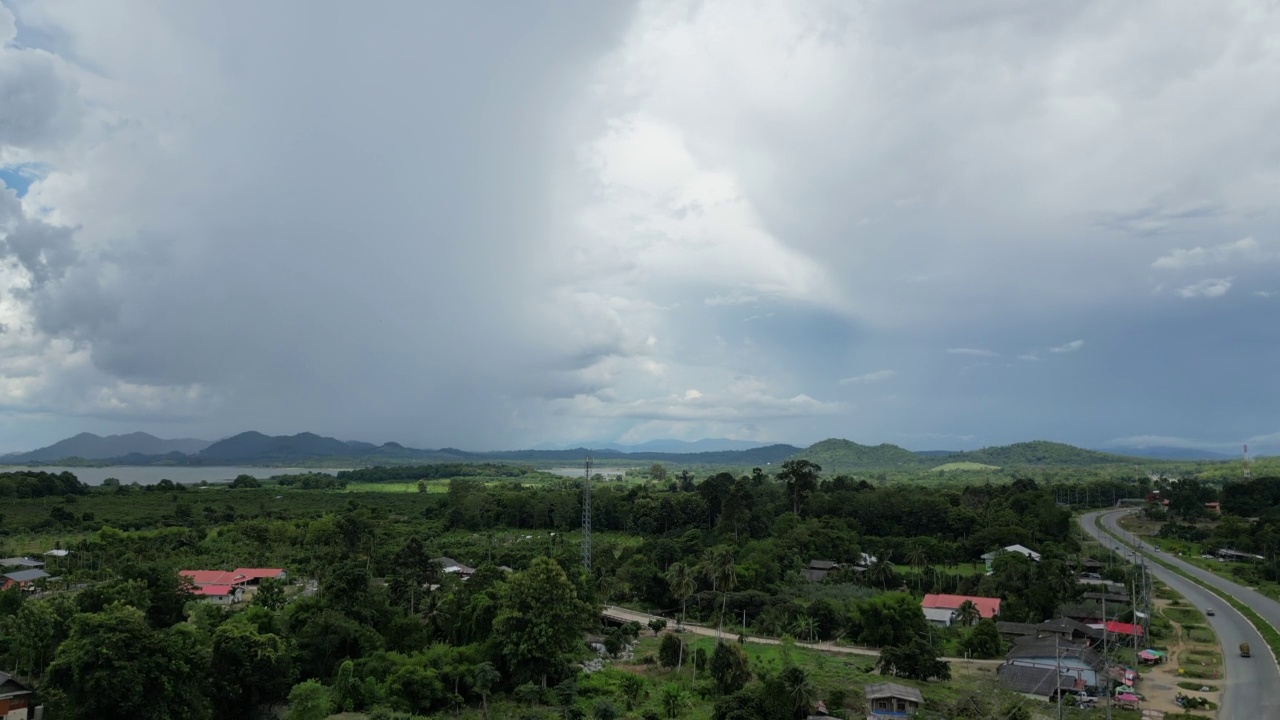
184,475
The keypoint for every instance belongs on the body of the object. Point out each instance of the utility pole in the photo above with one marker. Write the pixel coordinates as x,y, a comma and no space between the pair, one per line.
1057,680
586,515
1106,659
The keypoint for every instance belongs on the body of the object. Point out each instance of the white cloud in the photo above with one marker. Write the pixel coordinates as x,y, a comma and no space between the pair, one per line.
1208,288
1266,293
1072,346
704,407
1268,442
692,394
869,378
1246,250
1029,357
975,352
736,297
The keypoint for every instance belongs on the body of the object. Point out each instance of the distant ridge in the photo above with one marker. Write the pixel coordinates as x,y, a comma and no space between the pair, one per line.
834,455
96,447
1171,453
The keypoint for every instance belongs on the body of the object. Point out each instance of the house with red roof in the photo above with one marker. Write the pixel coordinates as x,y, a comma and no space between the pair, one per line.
987,607
219,594
254,576
213,577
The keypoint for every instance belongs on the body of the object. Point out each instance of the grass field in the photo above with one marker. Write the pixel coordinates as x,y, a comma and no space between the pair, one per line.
433,486
951,467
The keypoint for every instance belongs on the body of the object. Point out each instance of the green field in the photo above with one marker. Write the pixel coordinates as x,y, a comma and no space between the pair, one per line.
964,466
432,486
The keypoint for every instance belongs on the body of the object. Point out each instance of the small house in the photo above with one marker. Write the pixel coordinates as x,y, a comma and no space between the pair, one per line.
15,698
213,577
939,616
22,578
21,563
987,607
1037,682
891,700
449,565
1075,660
219,594
990,557
819,569
1068,629
1011,631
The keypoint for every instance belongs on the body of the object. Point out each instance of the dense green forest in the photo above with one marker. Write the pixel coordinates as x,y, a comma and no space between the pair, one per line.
369,622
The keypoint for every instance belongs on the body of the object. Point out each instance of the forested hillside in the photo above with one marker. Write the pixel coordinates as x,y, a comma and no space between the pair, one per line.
370,621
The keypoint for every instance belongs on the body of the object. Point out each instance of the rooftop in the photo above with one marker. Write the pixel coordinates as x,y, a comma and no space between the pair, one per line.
1033,680
259,573
212,577
1120,628
987,607
1029,647
21,576
892,690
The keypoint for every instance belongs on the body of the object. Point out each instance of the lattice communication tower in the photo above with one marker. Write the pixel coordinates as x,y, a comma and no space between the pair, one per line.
586,514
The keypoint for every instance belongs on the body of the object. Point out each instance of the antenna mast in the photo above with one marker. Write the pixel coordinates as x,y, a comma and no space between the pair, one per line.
586,514
1246,462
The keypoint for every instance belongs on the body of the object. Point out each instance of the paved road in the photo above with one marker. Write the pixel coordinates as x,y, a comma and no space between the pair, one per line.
624,615
1249,692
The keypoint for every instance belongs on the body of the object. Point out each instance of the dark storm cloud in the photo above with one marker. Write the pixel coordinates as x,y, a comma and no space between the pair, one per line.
458,225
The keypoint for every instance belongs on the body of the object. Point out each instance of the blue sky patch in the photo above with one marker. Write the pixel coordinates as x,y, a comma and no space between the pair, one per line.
19,177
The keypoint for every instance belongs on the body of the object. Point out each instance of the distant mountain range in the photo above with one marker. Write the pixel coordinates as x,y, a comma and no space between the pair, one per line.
834,455
95,447
668,446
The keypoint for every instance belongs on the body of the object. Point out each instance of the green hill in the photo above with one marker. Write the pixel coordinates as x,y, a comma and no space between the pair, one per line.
1040,452
836,455
951,466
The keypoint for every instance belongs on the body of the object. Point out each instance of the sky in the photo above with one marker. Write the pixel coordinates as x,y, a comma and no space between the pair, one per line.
495,225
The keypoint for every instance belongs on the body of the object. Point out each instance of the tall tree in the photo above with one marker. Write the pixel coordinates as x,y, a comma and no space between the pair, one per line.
540,619
967,614
721,569
800,690
730,669
248,669
800,478
483,679
113,666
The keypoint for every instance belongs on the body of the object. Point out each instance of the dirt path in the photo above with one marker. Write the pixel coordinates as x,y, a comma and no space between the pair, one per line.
625,615
1160,686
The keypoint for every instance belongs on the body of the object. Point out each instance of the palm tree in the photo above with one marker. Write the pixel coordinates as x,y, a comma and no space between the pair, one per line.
805,627
674,698
799,689
721,568
680,580
968,613
917,558
881,571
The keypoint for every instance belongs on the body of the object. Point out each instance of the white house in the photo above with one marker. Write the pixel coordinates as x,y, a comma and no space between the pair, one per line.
219,594
1020,549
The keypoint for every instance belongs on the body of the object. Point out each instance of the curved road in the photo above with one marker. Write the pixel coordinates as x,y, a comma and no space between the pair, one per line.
1250,688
